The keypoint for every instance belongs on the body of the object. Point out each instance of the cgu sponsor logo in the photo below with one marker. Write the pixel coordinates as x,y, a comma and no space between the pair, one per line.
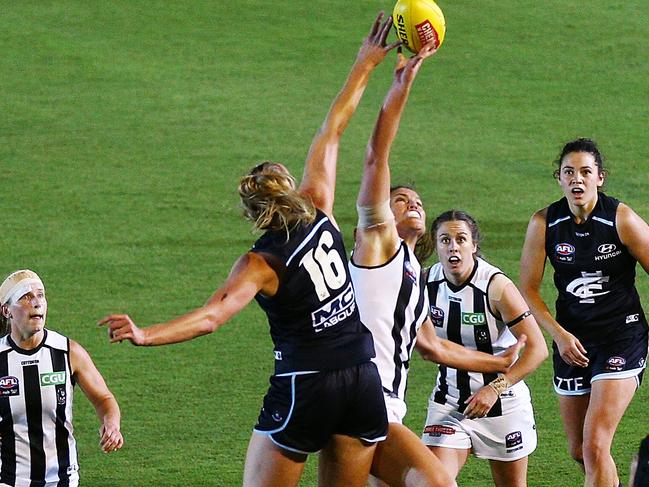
473,318
632,318
335,311
52,378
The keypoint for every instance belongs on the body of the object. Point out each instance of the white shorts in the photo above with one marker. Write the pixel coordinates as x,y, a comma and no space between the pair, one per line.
503,438
395,407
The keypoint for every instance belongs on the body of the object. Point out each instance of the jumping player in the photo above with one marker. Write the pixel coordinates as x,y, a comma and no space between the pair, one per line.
391,295
593,242
325,393
38,370
472,303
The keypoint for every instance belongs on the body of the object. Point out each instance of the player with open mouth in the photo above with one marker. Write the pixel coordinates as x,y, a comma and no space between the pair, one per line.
593,242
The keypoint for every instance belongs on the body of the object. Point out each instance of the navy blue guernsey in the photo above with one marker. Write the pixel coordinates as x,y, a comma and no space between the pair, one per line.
594,272
313,317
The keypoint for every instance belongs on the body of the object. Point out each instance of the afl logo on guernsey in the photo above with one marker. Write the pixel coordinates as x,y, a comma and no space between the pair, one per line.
437,316
564,252
9,386
410,272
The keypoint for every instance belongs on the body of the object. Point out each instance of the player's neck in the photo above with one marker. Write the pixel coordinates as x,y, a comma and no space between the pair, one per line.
27,341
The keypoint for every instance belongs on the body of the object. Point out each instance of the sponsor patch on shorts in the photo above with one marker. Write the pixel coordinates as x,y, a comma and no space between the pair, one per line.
514,441
615,364
437,430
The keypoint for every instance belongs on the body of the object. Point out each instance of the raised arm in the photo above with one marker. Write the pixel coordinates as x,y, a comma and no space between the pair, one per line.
634,233
506,300
249,275
94,387
449,353
376,236
319,179
532,267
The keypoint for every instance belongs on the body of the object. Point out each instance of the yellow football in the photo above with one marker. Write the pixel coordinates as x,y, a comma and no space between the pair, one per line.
418,22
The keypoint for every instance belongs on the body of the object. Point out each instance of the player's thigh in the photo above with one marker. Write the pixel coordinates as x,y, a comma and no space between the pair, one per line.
268,465
573,414
345,462
402,460
609,400
453,459
509,474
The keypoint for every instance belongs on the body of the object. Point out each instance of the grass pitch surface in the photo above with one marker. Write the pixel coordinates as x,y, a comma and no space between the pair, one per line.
124,129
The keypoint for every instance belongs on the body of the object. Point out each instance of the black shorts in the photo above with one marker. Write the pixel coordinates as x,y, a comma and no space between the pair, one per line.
302,410
623,355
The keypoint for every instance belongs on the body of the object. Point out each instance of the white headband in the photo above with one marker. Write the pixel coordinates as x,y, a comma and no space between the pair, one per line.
16,290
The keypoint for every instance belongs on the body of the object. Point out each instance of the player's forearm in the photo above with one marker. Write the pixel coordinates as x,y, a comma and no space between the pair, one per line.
542,314
108,411
347,100
387,124
529,361
453,355
201,321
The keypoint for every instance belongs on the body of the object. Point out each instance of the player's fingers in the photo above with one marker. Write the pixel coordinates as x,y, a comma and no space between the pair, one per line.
401,61
376,25
120,335
385,30
427,50
113,318
396,44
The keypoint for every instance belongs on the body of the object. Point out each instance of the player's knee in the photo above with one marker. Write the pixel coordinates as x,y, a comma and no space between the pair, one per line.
593,451
417,478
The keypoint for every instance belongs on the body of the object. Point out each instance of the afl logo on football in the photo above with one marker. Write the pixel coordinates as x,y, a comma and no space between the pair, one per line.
606,248
564,249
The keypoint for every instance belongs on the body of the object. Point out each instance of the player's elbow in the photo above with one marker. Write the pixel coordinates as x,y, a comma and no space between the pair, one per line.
429,353
212,320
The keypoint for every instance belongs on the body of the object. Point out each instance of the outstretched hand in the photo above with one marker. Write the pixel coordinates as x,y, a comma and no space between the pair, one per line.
407,68
374,47
121,327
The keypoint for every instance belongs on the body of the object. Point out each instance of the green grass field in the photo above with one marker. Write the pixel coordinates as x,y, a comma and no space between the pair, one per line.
125,126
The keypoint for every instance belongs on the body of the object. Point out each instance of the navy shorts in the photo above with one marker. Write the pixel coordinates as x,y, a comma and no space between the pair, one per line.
623,355
302,410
